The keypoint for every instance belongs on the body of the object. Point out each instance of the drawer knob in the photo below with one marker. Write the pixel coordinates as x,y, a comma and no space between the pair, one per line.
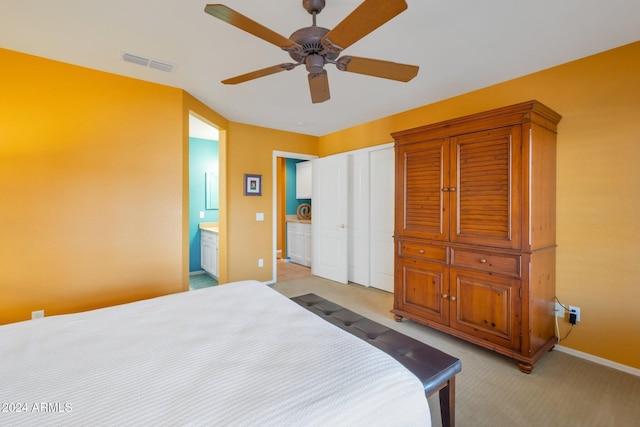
445,296
483,261
420,251
452,298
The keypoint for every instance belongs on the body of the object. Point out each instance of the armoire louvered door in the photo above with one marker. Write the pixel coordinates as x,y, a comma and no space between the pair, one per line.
485,187
426,206
463,189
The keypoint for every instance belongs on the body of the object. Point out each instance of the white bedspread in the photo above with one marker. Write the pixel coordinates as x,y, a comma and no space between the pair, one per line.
235,355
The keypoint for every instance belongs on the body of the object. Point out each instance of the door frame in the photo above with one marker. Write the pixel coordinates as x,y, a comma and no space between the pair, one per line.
274,204
221,139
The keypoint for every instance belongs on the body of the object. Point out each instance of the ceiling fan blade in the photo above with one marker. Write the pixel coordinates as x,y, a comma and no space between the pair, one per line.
238,20
377,68
258,73
319,86
370,15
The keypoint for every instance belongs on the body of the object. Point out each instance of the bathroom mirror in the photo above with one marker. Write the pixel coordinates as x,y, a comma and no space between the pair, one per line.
211,190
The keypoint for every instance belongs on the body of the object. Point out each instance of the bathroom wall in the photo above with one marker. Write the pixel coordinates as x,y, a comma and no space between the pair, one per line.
292,202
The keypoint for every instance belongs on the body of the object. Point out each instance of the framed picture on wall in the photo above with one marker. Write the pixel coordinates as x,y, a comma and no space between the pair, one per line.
252,185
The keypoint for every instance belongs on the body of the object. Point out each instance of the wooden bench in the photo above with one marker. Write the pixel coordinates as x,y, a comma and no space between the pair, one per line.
436,370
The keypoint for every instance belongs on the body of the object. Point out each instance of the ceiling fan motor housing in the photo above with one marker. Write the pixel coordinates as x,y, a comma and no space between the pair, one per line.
310,38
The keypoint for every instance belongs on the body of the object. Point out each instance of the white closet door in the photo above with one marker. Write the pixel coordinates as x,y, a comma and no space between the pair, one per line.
329,223
382,166
359,218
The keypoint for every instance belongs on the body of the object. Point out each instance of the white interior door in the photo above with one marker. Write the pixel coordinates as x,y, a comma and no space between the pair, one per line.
382,166
329,221
358,251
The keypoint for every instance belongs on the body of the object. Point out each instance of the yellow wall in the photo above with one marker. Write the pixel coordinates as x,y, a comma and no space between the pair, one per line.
598,192
91,188
250,150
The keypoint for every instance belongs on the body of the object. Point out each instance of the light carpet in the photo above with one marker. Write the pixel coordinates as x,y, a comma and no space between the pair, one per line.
563,390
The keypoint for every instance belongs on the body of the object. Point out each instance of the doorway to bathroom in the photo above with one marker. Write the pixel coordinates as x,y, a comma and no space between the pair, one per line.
204,203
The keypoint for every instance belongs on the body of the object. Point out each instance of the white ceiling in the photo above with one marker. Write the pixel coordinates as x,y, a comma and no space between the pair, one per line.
202,130
460,46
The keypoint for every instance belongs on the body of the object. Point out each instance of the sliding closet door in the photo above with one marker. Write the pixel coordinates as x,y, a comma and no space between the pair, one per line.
353,217
382,164
359,237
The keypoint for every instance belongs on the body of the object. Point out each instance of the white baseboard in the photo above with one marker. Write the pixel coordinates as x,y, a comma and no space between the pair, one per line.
599,360
197,273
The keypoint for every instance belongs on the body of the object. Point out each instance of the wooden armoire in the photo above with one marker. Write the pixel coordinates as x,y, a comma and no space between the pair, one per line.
475,233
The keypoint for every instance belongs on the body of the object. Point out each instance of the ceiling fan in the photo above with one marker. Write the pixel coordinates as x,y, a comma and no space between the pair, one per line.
316,46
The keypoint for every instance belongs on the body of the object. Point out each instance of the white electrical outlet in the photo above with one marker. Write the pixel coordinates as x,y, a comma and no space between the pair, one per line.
37,314
201,214
260,262
576,310
559,310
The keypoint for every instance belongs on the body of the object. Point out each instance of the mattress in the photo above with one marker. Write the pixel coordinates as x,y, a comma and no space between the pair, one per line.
240,354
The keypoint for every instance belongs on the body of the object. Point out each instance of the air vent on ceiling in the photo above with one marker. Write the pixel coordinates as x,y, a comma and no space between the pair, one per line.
162,66
147,62
135,59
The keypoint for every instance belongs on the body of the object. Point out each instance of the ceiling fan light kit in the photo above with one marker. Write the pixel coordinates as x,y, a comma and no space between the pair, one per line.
316,46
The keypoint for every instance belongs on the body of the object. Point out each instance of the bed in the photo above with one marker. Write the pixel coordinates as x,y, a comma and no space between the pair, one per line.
240,354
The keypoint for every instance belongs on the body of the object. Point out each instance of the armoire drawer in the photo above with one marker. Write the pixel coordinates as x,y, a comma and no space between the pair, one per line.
485,261
423,251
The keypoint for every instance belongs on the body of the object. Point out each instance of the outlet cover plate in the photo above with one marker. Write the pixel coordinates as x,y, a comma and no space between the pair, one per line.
576,310
559,310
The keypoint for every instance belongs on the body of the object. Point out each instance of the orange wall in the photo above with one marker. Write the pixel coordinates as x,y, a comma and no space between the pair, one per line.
91,188
250,150
94,184
598,193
